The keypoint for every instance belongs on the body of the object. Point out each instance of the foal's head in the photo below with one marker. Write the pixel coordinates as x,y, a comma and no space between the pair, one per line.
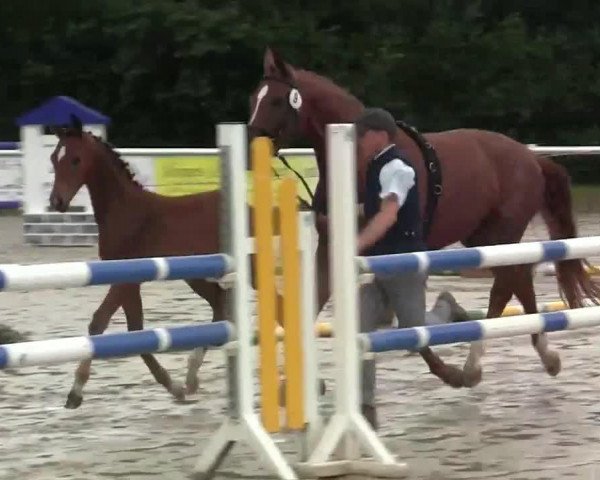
81,158
72,160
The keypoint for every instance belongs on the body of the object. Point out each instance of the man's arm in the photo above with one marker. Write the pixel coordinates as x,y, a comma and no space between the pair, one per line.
380,223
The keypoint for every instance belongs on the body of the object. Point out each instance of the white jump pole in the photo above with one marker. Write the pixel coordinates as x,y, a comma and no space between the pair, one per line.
347,428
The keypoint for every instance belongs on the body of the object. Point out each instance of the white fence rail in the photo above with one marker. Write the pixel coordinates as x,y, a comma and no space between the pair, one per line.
174,171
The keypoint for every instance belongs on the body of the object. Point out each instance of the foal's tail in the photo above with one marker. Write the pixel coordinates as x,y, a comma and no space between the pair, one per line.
574,280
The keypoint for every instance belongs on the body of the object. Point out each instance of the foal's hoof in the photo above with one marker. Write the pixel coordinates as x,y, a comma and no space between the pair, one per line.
453,376
192,385
178,391
552,363
74,400
472,377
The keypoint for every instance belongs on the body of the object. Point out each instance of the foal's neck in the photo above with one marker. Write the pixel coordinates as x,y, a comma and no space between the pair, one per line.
112,193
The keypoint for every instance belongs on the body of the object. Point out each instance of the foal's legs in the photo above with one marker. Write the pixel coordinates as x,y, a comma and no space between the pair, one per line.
132,304
98,325
215,296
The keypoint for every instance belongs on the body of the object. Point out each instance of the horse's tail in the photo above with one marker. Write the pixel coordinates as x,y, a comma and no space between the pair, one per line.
574,279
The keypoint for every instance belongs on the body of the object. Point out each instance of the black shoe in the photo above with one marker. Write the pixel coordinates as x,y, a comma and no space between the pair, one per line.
457,313
370,414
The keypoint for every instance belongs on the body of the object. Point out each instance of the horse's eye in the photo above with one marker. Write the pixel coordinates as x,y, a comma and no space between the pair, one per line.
75,161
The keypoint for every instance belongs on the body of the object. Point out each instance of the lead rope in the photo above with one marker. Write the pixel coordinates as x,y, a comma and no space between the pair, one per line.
303,202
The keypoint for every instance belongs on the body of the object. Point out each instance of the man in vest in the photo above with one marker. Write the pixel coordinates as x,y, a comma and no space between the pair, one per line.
393,225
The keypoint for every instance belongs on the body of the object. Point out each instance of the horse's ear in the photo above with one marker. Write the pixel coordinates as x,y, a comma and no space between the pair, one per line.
58,131
274,64
268,62
76,124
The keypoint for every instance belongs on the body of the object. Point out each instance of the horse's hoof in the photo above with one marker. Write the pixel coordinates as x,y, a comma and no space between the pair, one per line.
472,377
74,400
178,391
192,385
552,363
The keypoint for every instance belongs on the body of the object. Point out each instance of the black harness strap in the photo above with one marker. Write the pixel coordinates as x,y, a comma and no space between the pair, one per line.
434,173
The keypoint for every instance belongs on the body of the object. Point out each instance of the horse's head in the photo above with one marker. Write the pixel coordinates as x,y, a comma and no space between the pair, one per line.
71,159
276,105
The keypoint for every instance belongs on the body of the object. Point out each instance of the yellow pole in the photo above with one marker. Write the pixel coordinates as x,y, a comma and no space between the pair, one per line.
290,252
265,277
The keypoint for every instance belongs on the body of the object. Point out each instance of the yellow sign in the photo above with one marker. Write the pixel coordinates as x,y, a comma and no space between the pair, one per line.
185,175
177,176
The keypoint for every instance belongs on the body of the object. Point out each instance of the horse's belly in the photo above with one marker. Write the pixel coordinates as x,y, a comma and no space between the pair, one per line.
458,215
470,193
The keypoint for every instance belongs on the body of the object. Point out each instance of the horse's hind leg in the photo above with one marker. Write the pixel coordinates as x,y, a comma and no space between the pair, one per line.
132,304
524,291
215,296
98,325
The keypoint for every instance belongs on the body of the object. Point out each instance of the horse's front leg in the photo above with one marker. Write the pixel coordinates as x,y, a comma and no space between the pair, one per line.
132,304
216,298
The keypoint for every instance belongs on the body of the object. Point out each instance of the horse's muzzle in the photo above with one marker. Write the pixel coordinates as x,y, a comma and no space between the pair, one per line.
57,203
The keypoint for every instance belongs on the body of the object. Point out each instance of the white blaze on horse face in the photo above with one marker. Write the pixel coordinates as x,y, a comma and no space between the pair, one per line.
261,94
61,153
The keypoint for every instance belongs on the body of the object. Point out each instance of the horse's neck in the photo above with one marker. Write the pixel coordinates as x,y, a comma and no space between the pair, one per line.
332,104
113,195
328,105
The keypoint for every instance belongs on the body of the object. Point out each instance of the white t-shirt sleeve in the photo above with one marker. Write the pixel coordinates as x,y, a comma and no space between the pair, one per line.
398,178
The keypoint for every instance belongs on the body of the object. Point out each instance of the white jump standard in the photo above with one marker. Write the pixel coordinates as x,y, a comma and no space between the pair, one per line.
347,430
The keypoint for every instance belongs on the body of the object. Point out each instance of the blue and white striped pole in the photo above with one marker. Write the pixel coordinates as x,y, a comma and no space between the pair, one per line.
481,257
114,345
109,272
416,338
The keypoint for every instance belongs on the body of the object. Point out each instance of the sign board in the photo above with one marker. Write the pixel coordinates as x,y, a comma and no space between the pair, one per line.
11,180
185,175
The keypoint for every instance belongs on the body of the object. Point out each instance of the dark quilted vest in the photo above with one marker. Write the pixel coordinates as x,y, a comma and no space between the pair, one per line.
406,235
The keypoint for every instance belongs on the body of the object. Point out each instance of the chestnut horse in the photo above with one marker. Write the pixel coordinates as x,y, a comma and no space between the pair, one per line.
492,187
133,222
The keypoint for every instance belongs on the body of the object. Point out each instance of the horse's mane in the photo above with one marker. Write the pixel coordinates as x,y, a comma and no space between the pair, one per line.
330,85
118,162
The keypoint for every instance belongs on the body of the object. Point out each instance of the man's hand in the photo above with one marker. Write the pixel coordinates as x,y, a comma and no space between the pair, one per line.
380,223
